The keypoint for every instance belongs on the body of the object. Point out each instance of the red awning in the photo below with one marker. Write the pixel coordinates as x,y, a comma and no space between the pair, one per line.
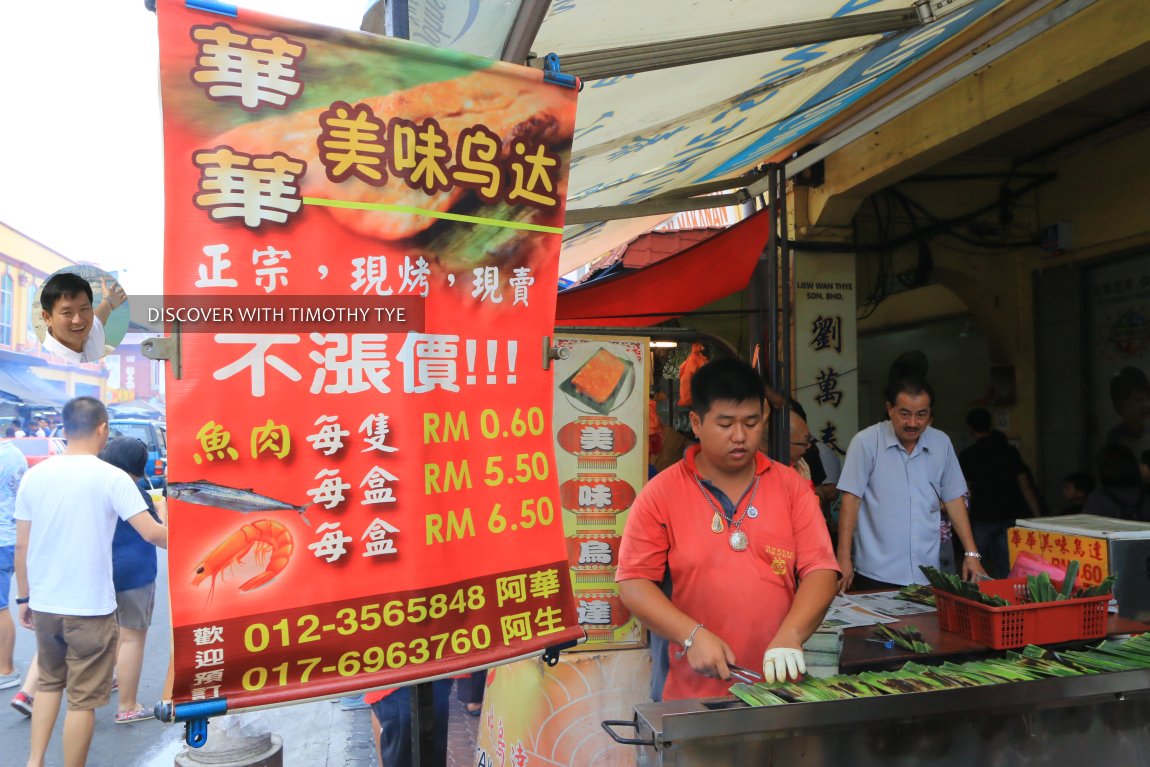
677,285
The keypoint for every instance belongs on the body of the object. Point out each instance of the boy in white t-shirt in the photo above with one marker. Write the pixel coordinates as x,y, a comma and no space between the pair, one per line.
66,512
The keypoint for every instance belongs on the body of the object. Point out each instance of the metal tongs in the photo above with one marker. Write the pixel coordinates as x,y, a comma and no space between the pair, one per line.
745,675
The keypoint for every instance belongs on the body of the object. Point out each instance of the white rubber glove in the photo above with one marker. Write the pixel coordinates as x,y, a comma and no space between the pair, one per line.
782,663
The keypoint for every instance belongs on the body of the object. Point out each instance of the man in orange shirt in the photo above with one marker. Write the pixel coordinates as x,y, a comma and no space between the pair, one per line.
743,539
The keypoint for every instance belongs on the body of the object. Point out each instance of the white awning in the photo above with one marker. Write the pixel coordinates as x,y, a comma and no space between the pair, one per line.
657,133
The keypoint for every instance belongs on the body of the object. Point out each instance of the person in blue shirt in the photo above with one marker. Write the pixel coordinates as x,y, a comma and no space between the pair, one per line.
134,569
12,468
896,476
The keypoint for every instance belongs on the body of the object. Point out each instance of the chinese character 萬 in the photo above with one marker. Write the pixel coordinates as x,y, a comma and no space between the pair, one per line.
827,382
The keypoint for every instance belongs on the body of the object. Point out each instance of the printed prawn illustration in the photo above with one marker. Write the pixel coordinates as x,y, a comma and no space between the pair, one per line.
268,541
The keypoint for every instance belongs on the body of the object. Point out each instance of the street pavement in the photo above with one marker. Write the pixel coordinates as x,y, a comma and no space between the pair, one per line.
315,734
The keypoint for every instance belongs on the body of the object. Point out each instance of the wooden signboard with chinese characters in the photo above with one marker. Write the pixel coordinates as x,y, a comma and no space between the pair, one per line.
600,429
361,252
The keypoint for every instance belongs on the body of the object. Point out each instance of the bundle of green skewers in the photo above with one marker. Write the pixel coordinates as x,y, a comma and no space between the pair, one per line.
1030,664
907,638
916,593
1039,588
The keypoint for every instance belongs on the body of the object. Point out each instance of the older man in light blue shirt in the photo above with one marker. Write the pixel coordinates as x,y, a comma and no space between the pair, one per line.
896,475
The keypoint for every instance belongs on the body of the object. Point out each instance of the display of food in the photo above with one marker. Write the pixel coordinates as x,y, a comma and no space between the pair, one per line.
1031,663
598,381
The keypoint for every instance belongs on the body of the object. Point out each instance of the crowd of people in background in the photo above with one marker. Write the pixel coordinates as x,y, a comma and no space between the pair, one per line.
31,427
91,614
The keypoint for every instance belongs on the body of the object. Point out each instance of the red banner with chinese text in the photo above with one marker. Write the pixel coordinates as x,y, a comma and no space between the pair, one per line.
361,250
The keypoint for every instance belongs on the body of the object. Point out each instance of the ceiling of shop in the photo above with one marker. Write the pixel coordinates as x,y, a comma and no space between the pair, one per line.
1108,113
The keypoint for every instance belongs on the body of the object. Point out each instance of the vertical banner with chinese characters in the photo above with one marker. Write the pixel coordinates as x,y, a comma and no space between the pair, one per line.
361,263
601,458
826,346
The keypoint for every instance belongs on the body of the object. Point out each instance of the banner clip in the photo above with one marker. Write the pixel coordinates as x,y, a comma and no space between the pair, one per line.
212,6
553,352
551,654
195,718
165,348
552,74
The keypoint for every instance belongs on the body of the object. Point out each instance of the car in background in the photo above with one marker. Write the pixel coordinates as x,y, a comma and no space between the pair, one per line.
154,435
37,449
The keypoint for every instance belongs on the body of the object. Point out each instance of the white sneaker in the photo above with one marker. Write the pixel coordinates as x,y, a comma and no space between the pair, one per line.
9,680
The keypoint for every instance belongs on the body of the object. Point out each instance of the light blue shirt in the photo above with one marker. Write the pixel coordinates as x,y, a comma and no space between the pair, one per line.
13,464
898,526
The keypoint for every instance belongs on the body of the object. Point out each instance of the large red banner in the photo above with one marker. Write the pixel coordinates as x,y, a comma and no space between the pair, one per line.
360,264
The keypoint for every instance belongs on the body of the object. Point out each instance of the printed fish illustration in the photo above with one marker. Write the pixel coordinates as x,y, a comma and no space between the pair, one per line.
204,493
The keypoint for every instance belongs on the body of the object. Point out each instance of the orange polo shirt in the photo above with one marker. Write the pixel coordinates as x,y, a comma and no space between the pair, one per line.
741,596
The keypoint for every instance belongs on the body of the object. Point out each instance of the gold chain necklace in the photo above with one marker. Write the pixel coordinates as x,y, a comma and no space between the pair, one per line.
738,539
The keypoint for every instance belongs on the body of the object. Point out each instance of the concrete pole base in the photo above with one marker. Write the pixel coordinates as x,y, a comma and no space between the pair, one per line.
265,750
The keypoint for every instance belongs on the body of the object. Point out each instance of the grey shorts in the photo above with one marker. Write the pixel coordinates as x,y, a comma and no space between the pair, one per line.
134,607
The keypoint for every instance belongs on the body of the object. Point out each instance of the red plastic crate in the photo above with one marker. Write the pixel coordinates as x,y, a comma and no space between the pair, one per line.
1004,628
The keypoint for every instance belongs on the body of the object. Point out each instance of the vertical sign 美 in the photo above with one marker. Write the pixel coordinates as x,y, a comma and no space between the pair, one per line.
601,459
361,253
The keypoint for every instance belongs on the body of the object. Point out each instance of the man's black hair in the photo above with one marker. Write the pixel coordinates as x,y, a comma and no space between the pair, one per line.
128,454
979,420
725,379
797,408
1127,381
912,385
63,285
82,416
1082,482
